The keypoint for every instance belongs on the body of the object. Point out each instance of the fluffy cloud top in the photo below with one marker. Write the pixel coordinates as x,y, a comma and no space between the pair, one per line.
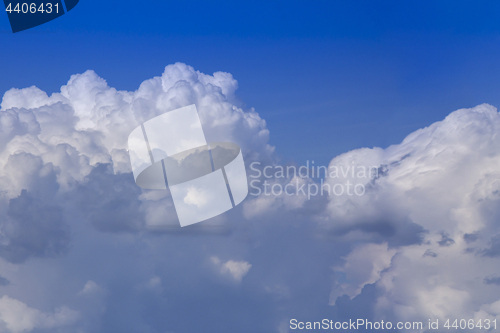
444,178
236,269
73,145
64,162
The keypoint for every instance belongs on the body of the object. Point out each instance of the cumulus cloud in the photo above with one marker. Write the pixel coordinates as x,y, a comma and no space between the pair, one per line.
33,227
91,288
364,265
64,167
235,269
421,242
445,180
17,317
72,146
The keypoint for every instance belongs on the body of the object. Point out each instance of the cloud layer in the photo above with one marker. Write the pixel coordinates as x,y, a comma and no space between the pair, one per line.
83,249
444,179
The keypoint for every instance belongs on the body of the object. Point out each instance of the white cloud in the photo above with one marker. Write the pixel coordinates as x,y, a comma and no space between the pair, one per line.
425,232
236,269
91,288
17,317
88,122
196,197
444,178
58,142
363,266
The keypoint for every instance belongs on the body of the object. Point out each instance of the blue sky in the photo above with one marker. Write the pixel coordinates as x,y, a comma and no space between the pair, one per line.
356,74
83,249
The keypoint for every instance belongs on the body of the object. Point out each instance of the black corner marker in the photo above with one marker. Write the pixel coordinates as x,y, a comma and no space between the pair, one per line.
26,14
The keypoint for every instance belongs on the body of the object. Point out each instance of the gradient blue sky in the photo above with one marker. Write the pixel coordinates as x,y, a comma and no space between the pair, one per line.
78,237
327,76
